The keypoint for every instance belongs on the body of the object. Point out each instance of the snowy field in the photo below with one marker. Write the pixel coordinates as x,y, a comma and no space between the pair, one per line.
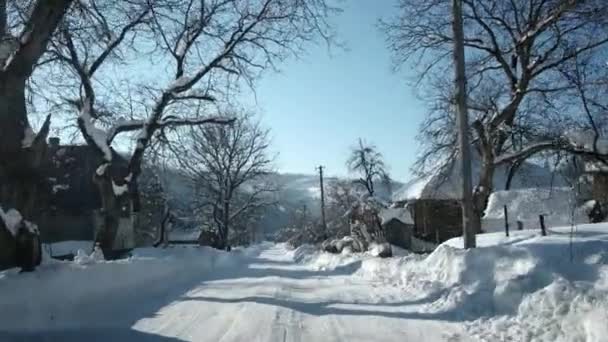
522,288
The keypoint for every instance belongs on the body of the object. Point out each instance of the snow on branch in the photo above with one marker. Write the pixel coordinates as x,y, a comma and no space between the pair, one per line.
124,126
577,143
93,135
528,151
172,121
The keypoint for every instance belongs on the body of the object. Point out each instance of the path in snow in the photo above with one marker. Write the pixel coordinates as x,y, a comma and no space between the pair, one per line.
261,296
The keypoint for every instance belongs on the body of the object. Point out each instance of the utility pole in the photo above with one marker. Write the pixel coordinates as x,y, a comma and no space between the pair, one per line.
468,232
320,168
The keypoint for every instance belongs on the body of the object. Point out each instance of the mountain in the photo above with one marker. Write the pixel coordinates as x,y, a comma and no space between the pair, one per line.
296,191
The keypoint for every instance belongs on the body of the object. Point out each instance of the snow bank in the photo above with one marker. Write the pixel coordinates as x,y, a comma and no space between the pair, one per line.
57,292
512,289
521,288
558,205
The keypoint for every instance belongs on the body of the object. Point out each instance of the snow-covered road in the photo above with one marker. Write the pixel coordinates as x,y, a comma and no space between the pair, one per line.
273,299
261,294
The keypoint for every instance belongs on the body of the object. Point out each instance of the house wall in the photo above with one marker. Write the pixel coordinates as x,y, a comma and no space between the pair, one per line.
398,233
65,227
437,220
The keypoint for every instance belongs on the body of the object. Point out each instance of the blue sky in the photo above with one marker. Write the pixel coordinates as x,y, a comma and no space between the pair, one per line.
321,103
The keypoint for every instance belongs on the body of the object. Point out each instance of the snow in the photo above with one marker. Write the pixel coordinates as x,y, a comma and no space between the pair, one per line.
12,219
558,205
401,214
101,170
119,190
178,83
184,235
99,136
28,137
60,187
67,247
538,293
314,192
446,184
584,140
522,288
82,258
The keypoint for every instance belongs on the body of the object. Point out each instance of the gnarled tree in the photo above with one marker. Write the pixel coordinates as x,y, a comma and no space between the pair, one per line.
25,29
519,98
202,50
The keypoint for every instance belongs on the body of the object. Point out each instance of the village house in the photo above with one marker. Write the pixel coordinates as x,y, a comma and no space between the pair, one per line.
434,201
74,210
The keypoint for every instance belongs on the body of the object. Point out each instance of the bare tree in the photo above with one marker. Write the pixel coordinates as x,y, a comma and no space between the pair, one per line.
210,47
341,197
517,95
230,166
368,163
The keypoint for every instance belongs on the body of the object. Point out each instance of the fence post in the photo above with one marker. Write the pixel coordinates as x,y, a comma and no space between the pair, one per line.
543,229
506,221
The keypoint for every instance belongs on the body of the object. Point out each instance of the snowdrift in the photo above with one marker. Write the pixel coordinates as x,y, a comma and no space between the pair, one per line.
58,292
558,205
522,288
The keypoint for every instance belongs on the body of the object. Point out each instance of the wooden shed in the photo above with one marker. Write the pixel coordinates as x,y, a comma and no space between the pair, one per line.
398,226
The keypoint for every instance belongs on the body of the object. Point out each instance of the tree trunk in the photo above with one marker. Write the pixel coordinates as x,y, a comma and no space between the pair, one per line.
21,176
225,224
110,215
20,168
14,167
482,192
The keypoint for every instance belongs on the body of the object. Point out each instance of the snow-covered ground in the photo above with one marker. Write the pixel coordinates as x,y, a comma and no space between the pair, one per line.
522,288
558,205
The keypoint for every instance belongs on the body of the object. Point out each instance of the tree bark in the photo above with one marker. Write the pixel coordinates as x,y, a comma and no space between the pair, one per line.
225,224
110,214
20,166
482,192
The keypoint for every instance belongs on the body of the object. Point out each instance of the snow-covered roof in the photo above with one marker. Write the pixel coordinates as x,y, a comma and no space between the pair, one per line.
529,203
585,140
401,214
596,166
446,184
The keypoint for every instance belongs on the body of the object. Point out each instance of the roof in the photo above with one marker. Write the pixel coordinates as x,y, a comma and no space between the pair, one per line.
400,214
596,166
446,184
